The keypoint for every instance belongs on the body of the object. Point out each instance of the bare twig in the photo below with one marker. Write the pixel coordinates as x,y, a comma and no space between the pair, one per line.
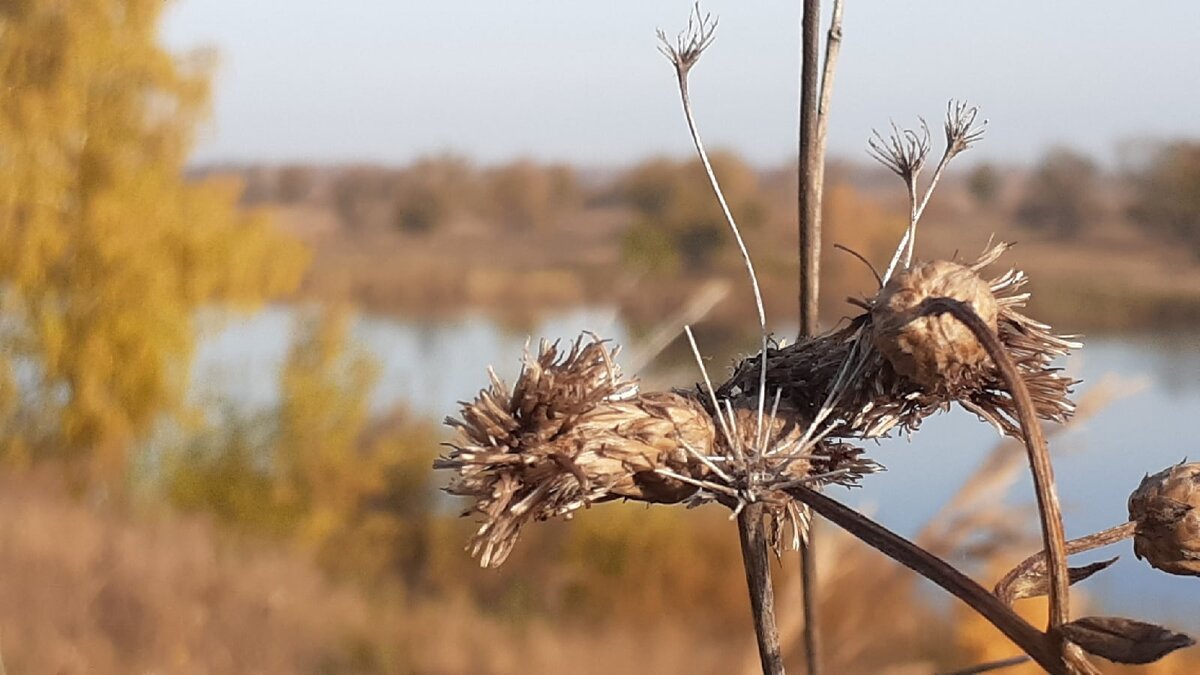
698,306
905,152
1029,639
688,48
1053,538
1006,588
861,258
752,534
810,161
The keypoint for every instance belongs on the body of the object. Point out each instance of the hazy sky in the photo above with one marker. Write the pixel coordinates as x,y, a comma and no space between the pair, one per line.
389,80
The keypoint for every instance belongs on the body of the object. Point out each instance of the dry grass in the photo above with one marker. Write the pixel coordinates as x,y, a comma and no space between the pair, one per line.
87,591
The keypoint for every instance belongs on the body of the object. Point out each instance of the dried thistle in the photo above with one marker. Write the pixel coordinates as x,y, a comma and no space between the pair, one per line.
1164,508
571,432
937,352
842,380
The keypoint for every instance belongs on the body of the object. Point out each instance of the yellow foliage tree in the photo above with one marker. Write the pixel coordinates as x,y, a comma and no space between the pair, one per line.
354,491
108,250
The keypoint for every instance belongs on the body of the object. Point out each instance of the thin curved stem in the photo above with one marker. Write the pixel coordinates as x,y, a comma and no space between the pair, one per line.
1053,537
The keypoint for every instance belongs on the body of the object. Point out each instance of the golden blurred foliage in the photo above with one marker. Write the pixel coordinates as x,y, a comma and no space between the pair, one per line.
108,250
355,492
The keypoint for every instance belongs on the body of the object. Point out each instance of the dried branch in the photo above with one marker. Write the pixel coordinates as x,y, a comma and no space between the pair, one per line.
1027,579
751,533
1053,538
905,153
1029,639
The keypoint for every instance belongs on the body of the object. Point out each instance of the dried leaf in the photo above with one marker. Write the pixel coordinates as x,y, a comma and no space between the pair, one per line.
1124,640
1033,581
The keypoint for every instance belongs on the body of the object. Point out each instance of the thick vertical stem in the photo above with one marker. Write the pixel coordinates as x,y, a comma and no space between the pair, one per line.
762,595
814,109
810,161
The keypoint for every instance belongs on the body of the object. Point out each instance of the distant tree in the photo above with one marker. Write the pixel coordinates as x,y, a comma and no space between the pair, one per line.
357,194
677,219
984,184
1060,195
418,209
523,194
108,251
359,495
1167,193
294,184
258,186
431,191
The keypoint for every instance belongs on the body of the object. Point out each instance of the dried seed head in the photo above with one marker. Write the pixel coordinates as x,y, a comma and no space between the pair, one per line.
937,352
1164,506
569,433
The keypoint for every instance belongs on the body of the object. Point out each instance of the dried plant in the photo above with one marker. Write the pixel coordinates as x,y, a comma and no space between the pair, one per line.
789,420
1164,511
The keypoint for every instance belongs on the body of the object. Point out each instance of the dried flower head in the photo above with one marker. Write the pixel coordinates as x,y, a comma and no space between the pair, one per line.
961,132
844,380
937,352
571,432
691,42
904,151
1164,507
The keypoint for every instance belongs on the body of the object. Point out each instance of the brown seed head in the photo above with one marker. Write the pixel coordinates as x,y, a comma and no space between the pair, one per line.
937,352
1165,509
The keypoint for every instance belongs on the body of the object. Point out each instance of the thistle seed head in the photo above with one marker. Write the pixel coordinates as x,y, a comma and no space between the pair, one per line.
937,352
1164,506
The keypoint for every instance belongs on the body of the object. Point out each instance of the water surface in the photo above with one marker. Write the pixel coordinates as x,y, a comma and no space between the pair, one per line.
430,367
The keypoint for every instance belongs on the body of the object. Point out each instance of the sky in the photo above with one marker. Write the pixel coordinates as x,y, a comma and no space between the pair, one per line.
560,80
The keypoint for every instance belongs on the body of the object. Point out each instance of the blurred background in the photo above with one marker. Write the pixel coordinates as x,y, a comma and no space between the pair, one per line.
252,254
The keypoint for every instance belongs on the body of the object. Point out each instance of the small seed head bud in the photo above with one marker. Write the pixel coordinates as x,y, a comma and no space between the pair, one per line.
1165,509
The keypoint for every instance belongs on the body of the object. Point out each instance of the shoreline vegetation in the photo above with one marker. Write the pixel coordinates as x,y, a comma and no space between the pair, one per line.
442,238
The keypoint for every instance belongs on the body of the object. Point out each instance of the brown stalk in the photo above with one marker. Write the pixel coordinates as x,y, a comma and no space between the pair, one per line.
1053,537
752,534
810,161
1006,587
684,54
814,127
1032,641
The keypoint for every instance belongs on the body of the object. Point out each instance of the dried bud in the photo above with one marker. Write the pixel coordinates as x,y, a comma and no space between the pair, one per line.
1168,522
938,352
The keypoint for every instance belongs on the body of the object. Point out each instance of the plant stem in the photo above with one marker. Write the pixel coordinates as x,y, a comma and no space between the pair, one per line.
1004,588
751,532
814,126
1053,537
1032,641
810,162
